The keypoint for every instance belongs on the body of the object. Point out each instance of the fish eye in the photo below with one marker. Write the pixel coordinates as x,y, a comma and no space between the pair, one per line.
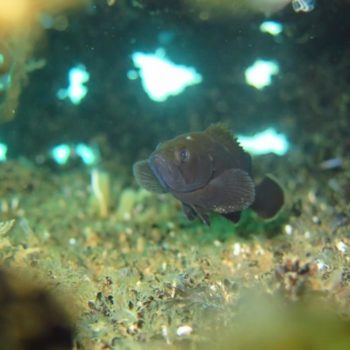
184,155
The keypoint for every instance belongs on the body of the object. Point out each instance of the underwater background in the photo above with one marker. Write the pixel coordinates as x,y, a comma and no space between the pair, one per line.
89,259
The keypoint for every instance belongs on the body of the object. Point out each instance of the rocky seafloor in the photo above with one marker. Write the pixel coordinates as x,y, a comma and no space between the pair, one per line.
145,277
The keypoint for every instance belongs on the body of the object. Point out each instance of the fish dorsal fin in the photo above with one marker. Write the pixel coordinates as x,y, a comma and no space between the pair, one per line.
221,134
145,177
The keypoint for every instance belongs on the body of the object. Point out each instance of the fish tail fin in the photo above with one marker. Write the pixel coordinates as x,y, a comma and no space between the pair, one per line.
269,198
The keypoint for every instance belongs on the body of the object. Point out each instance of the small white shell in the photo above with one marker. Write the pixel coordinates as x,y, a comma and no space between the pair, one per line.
184,330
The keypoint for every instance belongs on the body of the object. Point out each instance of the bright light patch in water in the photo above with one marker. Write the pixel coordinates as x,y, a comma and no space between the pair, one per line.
162,78
260,73
61,153
3,152
271,27
76,90
87,154
268,141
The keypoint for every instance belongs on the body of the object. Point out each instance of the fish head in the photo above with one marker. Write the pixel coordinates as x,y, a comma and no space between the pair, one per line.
183,164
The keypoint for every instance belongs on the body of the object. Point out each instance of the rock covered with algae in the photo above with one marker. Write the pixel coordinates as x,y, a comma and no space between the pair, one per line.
30,317
21,27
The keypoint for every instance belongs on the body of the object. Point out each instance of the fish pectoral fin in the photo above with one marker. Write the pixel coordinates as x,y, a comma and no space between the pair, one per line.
145,177
269,198
232,191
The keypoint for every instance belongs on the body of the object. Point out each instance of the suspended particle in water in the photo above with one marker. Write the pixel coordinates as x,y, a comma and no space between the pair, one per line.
303,5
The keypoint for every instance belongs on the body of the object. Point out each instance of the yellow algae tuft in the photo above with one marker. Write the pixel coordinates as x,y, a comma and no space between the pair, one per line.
101,189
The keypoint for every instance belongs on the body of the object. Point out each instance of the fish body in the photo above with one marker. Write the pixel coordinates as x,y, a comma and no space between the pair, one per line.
208,172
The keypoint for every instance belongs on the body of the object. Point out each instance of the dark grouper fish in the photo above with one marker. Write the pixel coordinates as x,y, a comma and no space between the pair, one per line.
208,172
